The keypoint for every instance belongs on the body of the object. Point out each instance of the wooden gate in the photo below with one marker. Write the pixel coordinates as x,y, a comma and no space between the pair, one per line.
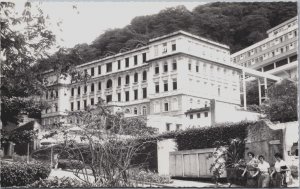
191,163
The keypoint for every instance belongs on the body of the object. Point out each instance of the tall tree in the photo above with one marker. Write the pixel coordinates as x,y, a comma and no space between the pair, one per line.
282,103
25,38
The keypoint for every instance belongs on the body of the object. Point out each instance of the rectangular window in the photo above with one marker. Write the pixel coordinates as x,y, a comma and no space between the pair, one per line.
56,93
157,70
84,104
174,84
206,114
166,106
165,86
144,57
126,96
126,62
78,90
85,72
164,48
78,105
119,97
190,67
168,126
99,70
174,65
92,101
85,89
135,94
178,127
72,106
108,98
119,64
191,116
92,87
109,67
173,46
165,67
157,87
198,115
99,86
56,107
197,68
72,92
92,71
135,60
144,92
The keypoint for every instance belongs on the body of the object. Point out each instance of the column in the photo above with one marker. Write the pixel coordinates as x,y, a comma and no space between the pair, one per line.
244,91
259,91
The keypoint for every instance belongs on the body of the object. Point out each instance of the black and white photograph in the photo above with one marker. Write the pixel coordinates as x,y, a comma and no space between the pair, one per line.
98,94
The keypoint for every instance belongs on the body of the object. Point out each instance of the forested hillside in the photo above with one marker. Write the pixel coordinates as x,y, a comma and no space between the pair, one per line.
235,24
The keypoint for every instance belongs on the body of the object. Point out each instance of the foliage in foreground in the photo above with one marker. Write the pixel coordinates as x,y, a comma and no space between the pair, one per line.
22,174
65,182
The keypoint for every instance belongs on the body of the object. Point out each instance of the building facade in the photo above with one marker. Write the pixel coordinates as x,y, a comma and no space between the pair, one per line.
162,81
277,54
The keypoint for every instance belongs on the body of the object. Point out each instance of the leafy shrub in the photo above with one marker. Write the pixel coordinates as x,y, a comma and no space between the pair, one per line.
70,164
148,176
205,137
65,182
294,171
22,174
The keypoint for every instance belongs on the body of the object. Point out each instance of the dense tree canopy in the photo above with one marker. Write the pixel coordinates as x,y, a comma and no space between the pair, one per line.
282,103
235,24
25,38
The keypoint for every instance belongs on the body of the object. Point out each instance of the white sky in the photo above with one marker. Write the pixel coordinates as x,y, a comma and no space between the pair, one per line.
94,18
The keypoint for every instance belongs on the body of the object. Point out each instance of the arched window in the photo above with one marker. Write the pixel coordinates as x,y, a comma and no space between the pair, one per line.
127,79
109,84
144,75
119,81
127,111
135,111
144,110
136,77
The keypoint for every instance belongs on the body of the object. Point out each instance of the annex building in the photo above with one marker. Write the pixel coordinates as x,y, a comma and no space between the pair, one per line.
276,54
176,81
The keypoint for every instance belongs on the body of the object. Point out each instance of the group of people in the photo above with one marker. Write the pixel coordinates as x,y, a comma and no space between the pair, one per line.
260,175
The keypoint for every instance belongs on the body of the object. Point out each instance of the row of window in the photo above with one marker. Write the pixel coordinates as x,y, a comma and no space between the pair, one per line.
278,64
269,54
109,66
52,94
135,111
284,28
109,98
164,48
198,115
169,125
109,83
165,67
265,46
166,85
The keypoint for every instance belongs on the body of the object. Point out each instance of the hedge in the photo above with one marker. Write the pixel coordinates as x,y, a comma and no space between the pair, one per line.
206,137
22,174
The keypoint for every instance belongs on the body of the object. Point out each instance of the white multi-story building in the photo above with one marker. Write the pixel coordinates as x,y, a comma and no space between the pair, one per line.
277,54
167,81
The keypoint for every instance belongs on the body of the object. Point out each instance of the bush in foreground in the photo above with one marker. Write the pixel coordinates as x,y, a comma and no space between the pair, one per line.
70,164
22,174
56,182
